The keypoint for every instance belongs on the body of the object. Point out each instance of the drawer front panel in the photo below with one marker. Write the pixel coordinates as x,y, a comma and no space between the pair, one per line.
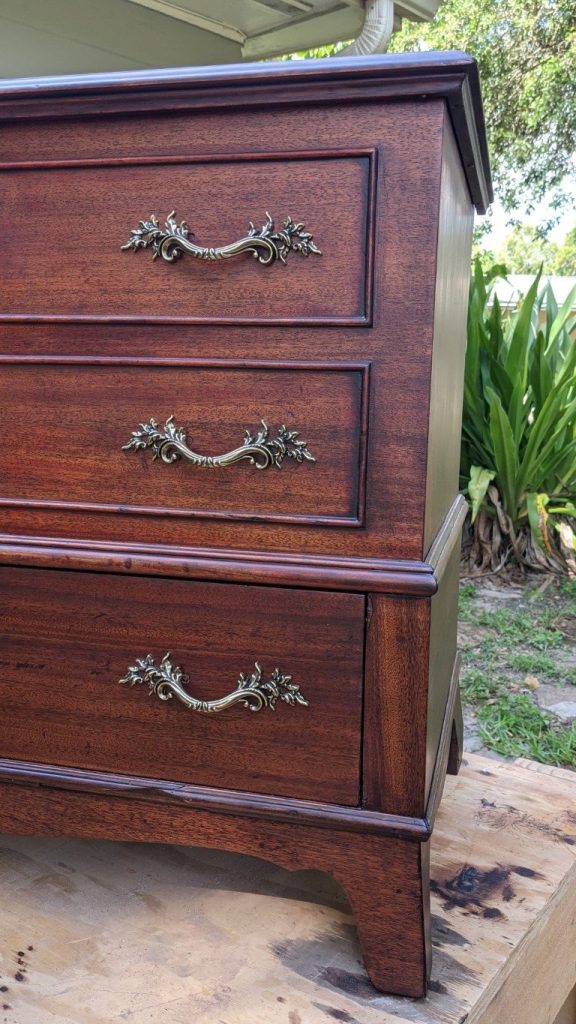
78,218
70,637
78,450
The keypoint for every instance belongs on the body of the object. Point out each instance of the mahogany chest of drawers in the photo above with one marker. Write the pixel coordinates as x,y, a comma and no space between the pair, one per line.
229,508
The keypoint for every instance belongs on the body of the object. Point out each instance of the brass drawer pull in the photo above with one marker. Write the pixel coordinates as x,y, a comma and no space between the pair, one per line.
260,449
165,681
265,244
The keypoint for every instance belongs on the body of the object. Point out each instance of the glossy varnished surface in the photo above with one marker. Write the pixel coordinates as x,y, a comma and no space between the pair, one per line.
455,222
80,415
325,570
451,76
75,265
68,638
385,879
386,254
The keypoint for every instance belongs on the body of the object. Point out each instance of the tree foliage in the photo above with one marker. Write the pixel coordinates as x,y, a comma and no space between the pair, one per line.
526,52
526,250
565,260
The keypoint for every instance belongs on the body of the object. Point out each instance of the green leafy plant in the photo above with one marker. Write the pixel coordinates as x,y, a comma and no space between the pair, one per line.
518,460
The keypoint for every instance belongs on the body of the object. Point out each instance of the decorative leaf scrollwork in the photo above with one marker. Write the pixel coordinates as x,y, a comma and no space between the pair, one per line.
252,692
169,444
265,244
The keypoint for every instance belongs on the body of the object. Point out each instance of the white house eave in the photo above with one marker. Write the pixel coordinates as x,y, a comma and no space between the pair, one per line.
39,38
176,11
305,34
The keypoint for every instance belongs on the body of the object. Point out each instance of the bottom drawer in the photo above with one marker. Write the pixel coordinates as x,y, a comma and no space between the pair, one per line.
68,638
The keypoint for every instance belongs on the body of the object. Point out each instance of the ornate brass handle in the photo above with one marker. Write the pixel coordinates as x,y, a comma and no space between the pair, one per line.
265,244
260,449
252,692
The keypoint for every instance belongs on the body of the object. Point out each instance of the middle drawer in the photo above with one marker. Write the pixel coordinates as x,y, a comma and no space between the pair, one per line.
69,638
187,439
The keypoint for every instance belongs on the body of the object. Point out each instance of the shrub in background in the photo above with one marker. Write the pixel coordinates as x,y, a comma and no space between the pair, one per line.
518,459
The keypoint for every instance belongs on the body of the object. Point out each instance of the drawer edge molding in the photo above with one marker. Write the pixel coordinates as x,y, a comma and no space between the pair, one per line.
387,576
220,801
449,534
453,79
360,575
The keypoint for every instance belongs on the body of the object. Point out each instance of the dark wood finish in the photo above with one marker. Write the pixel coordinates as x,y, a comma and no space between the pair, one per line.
68,639
385,879
411,681
360,575
92,277
395,699
93,409
408,139
452,77
342,572
224,801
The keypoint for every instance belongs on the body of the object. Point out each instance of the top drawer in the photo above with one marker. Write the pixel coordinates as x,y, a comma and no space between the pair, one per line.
78,218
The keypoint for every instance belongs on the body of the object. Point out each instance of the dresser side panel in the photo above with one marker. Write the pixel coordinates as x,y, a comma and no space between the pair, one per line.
443,630
446,386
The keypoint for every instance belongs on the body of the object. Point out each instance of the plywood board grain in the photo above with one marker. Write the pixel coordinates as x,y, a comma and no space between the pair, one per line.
93,932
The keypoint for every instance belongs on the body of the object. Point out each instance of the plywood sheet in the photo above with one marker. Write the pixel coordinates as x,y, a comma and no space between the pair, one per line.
92,932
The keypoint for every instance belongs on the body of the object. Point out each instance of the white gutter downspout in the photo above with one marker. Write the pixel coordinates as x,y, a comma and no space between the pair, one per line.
376,31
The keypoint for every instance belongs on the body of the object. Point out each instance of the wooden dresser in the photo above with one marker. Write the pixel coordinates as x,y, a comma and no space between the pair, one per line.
229,508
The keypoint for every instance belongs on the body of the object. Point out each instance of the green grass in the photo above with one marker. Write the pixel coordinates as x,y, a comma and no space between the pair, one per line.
537,664
466,605
568,587
507,646
516,727
518,627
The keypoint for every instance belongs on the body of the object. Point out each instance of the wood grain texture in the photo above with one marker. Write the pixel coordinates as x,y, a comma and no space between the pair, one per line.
69,637
213,935
381,876
359,575
408,139
223,801
107,557
395,703
92,277
93,410
410,687
453,77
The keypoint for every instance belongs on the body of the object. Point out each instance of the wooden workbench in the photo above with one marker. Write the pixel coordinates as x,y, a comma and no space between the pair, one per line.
92,932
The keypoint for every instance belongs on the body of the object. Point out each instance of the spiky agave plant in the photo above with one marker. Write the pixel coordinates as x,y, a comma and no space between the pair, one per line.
518,458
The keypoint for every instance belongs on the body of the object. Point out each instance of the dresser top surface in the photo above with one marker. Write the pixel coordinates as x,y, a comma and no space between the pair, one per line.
450,76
